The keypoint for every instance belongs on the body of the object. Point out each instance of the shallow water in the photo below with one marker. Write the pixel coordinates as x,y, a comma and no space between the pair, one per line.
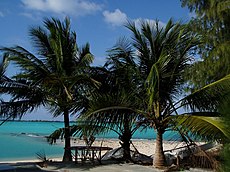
21,140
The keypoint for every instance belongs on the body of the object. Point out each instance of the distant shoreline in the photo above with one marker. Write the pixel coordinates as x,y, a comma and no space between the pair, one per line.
32,121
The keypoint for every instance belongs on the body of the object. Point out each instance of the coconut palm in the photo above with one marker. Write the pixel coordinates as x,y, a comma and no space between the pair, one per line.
163,56
117,86
113,91
160,56
55,77
17,88
122,121
117,90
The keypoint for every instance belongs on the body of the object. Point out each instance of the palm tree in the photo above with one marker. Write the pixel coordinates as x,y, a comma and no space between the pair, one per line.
56,77
159,59
116,91
163,56
117,86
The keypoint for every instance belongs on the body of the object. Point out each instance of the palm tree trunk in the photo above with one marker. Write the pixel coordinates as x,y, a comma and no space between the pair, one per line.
125,138
126,147
125,144
67,152
159,158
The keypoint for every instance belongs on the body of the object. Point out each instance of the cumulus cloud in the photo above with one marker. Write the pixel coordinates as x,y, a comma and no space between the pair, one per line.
150,21
66,7
116,18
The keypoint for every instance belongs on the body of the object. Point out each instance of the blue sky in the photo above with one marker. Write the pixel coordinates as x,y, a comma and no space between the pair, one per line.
99,22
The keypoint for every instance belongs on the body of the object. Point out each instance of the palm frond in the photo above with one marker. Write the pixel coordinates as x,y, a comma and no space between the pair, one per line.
202,127
3,67
209,97
80,130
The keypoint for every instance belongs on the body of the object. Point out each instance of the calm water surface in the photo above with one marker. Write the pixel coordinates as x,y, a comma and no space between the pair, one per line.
21,140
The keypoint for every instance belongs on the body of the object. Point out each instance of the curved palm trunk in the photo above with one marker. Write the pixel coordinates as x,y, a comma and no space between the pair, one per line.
67,152
159,158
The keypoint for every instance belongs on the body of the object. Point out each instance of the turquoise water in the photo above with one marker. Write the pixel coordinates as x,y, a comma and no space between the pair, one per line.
21,140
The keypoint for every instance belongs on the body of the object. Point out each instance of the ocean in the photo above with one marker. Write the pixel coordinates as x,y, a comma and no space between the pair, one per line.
21,140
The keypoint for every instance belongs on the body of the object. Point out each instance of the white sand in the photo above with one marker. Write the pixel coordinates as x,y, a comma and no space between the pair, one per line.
144,146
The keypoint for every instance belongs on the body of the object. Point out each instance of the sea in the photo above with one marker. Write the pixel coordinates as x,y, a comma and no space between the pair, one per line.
22,140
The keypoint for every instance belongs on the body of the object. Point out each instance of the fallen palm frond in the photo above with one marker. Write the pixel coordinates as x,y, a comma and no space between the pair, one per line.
41,155
206,159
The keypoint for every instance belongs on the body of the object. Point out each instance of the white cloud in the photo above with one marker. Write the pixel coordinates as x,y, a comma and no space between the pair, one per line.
150,21
116,18
66,7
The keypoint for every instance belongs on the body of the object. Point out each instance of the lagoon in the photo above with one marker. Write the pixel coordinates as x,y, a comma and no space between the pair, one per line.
21,140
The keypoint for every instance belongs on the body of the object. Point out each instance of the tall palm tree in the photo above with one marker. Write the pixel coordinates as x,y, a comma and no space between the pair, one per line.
160,56
56,74
117,86
163,56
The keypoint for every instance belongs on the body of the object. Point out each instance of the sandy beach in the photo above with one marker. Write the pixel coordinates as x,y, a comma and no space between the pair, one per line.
143,146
